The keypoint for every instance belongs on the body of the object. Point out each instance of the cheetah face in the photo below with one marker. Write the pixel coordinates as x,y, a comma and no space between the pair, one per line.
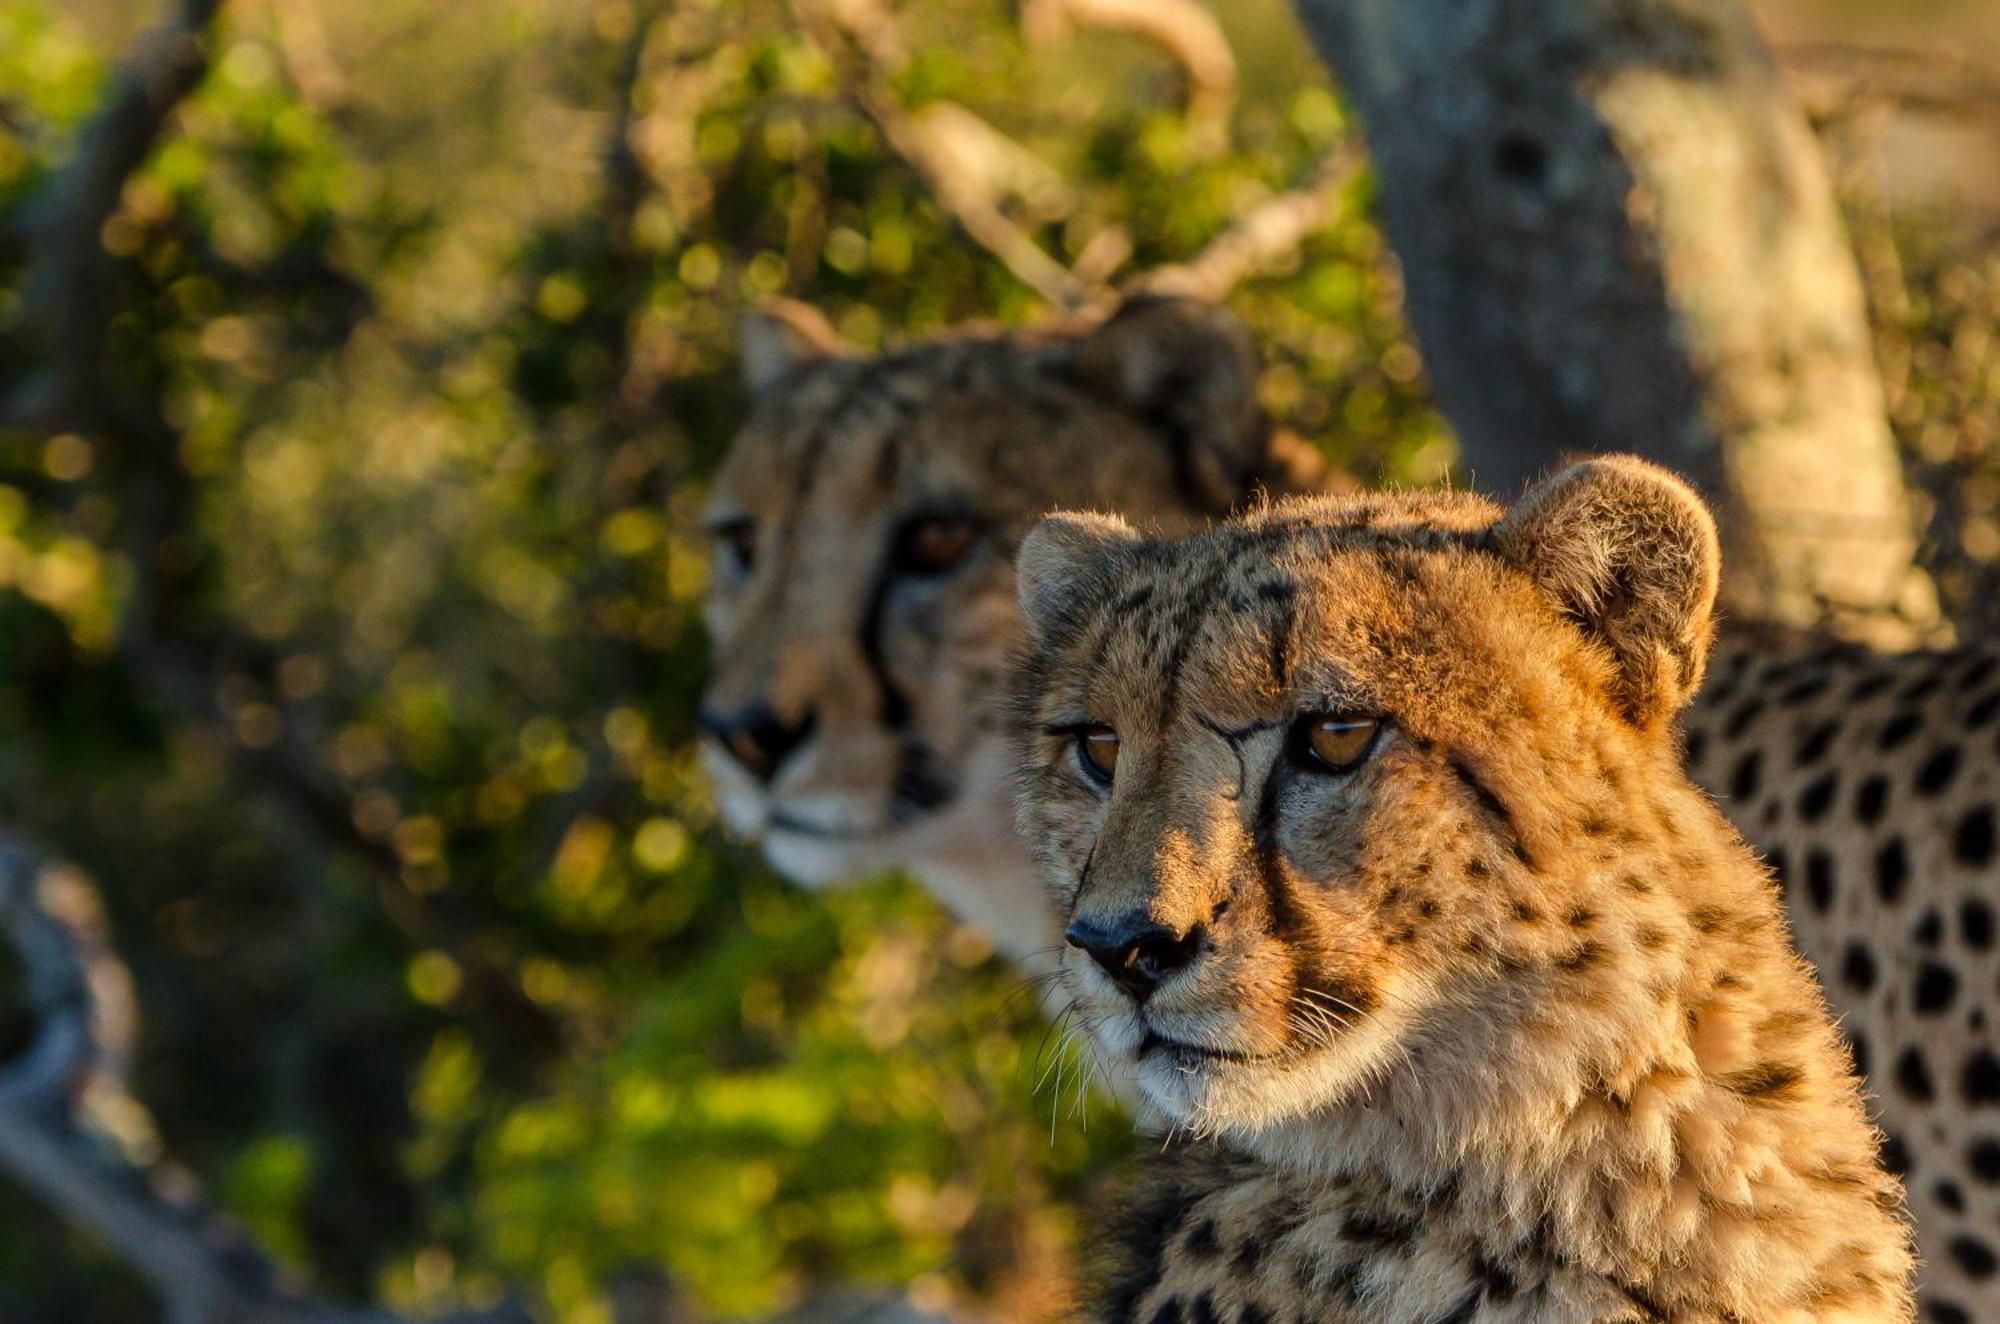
1288,778
1245,916
861,601
854,631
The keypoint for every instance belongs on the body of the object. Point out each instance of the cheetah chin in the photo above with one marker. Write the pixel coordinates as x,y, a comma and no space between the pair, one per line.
1215,1089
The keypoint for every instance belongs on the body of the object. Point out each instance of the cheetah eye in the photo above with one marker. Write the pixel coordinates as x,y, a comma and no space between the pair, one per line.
933,544
736,540
1097,751
1332,742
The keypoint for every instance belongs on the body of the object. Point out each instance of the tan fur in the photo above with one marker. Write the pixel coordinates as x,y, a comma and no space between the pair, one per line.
1502,1025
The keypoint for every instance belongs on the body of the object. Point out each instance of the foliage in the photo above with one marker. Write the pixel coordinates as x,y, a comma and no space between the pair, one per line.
448,980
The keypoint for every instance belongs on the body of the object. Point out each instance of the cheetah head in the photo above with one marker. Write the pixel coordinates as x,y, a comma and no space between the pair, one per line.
1291,778
864,523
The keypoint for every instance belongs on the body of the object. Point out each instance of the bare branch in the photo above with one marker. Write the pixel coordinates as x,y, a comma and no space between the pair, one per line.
1930,81
971,167
300,30
1186,30
68,285
624,174
203,1271
969,201
67,292
1261,237
58,992
627,187
863,42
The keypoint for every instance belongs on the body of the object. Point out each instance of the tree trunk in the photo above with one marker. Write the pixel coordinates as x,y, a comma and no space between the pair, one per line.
1617,234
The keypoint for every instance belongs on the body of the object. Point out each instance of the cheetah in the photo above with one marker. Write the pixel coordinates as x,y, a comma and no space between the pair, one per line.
862,608
1381,874
1872,785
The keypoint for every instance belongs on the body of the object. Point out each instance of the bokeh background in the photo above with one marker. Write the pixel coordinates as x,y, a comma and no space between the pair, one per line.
350,572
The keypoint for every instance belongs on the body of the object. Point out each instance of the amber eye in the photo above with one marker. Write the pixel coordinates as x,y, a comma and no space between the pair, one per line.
736,541
1097,750
933,544
1333,742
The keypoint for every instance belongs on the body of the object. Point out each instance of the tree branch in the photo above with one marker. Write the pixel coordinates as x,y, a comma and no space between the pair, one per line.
862,38
203,1271
1263,236
300,30
67,293
69,289
864,45
1929,81
1184,29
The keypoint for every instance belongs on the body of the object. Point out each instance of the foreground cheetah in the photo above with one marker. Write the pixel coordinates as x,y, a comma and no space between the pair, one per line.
1367,822
862,606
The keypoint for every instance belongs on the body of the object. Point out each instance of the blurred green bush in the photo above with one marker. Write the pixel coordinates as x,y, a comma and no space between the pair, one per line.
448,981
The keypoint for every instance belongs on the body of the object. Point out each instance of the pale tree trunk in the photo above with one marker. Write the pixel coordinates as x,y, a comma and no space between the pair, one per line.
1616,234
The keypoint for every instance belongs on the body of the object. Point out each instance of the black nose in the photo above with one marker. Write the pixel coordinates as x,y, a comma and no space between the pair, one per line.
756,737
1136,950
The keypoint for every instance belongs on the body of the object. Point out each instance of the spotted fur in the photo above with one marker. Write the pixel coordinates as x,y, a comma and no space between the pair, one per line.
1872,785
1503,1023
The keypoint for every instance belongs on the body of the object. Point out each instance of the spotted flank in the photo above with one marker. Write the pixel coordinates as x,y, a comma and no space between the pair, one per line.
1872,785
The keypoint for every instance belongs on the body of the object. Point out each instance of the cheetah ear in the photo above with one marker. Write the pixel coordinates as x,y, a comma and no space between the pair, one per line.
1188,370
778,336
1630,551
1066,563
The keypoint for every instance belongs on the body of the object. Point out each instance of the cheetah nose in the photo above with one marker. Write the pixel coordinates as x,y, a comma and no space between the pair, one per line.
1136,950
756,737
